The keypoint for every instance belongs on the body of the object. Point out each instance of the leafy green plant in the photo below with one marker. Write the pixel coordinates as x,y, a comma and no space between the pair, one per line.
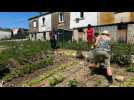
48,74
52,81
55,80
72,83
131,68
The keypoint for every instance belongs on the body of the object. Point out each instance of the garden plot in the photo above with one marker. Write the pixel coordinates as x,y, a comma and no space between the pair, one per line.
74,72
34,64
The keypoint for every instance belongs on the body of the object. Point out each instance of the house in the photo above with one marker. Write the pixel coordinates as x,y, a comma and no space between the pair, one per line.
49,21
73,25
40,26
66,24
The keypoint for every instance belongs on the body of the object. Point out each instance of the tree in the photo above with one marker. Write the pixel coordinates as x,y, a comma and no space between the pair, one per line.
21,34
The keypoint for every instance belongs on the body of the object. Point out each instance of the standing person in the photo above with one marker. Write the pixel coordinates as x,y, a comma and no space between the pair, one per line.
53,39
89,36
102,51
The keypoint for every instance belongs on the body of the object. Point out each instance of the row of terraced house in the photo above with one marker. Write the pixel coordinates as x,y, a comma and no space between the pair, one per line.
74,24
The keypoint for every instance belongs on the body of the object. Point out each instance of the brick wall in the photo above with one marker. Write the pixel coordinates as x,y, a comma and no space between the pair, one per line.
31,28
55,20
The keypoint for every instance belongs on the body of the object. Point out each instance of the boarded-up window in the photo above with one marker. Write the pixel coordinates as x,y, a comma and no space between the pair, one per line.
122,26
61,17
80,30
81,14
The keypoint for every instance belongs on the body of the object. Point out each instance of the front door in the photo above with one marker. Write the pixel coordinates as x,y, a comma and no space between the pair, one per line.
122,32
122,35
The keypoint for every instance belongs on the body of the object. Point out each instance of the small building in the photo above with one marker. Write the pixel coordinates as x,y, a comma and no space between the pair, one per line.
5,34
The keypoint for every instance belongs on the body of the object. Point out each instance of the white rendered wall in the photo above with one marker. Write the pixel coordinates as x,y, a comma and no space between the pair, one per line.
89,18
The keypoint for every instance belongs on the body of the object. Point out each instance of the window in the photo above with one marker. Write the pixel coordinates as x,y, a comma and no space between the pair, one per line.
122,26
43,20
34,24
32,35
61,17
80,30
82,15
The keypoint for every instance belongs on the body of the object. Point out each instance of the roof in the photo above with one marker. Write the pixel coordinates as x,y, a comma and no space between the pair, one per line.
46,13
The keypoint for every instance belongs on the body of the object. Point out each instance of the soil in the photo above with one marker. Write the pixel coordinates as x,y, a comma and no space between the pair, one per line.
80,72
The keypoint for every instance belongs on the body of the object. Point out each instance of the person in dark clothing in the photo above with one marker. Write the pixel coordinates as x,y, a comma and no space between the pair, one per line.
53,40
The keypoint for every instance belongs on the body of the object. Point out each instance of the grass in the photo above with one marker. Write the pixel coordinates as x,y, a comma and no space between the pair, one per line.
75,45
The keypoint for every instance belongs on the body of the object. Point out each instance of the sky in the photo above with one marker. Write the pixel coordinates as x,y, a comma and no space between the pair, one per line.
15,19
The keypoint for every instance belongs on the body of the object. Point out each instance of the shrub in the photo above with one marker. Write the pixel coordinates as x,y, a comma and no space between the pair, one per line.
121,53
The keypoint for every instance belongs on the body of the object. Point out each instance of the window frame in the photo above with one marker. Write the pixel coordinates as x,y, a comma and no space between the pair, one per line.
34,24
